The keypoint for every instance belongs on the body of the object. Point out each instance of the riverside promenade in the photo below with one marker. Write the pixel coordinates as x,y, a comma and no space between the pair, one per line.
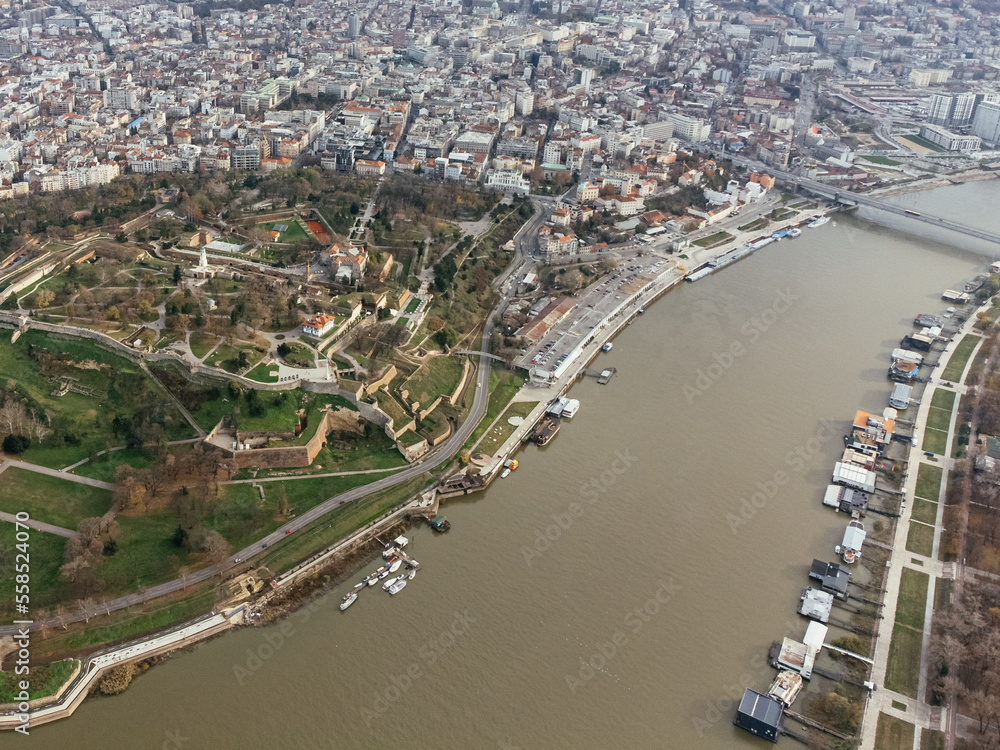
884,701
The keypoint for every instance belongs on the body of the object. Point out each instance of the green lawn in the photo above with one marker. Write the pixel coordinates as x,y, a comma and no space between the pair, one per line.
912,600
504,384
503,430
438,376
903,668
127,623
935,441
412,305
881,160
145,553
402,321
262,373
713,239
49,499
943,399
939,419
920,539
893,733
931,739
959,357
919,141
45,680
300,355
47,554
337,524
929,481
924,510
81,424
756,224
202,343
294,231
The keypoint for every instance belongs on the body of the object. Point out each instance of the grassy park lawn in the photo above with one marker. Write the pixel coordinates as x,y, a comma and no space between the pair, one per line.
202,343
935,441
943,399
924,510
337,524
939,419
81,423
438,376
300,355
921,142
912,599
903,670
47,553
881,160
293,232
756,224
920,539
44,680
893,734
503,429
402,321
146,554
412,305
348,452
504,384
959,357
50,499
227,357
713,239
929,481
262,373
241,517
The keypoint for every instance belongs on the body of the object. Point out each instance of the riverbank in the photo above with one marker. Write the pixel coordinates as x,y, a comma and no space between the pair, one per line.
912,708
936,181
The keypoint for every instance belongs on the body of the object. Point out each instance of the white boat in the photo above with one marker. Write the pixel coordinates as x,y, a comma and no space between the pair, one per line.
395,566
389,552
348,600
383,574
397,587
359,585
818,222
392,582
570,409
413,574
794,232
372,580
505,474
607,347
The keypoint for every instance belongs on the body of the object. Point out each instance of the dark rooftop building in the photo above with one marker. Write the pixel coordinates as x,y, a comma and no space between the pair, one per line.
759,714
832,577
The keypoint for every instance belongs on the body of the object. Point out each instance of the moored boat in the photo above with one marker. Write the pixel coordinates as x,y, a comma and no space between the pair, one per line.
348,600
392,582
413,574
607,347
395,566
383,574
794,232
505,473
397,587
372,580
818,222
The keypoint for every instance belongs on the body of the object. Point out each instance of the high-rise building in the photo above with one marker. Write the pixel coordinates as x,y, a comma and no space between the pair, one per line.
353,25
940,109
986,123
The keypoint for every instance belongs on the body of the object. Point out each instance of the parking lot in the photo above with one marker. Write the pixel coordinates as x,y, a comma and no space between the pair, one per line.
592,305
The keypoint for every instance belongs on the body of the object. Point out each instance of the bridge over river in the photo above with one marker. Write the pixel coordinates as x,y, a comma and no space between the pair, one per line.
850,198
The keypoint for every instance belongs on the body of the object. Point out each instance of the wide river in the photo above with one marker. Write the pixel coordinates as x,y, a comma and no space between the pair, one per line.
624,584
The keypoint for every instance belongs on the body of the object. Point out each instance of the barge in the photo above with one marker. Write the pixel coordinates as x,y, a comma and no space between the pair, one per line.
546,430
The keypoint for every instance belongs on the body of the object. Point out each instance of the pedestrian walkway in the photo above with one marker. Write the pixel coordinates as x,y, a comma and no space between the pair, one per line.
916,711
